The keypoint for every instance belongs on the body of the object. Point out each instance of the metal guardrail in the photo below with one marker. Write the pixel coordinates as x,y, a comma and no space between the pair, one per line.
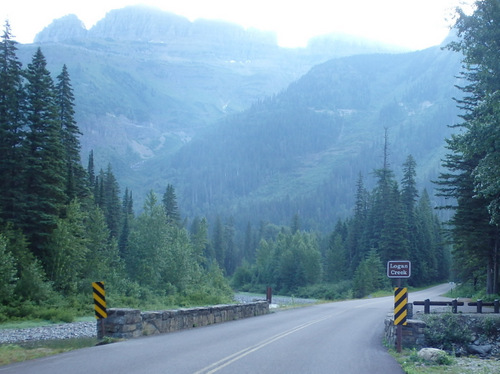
455,304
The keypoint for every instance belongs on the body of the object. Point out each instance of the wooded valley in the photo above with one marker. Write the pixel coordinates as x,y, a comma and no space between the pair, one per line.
289,193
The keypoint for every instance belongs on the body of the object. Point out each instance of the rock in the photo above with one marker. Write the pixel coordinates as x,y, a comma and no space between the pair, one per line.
431,354
482,350
65,28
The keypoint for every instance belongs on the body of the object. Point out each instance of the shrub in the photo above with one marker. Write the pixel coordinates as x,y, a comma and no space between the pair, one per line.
446,331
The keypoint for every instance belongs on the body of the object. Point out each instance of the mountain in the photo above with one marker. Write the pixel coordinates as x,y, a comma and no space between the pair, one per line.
302,151
240,125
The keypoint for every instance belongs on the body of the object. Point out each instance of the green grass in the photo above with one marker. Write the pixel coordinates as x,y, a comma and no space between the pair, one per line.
11,353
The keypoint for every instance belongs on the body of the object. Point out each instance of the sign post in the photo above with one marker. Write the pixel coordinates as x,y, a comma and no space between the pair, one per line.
399,269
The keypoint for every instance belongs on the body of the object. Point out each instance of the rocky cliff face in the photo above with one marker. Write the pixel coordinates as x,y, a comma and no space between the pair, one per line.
146,24
66,28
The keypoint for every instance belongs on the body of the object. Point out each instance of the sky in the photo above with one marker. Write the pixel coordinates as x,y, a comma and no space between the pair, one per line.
415,24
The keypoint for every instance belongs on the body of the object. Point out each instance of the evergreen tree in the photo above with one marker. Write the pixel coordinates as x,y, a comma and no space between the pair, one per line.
111,205
76,179
335,259
45,168
12,135
7,272
479,42
249,245
295,223
218,242
91,181
394,244
67,250
102,260
429,245
170,205
474,159
199,240
148,252
31,282
370,276
265,264
230,255
356,247
409,193
128,215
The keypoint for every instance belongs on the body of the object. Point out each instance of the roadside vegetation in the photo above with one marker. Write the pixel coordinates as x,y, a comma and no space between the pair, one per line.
412,364
11,353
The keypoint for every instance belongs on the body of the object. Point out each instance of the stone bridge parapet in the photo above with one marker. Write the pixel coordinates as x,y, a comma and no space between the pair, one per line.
132,323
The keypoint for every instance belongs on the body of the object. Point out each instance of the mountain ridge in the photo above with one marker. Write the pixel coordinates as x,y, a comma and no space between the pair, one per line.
143,105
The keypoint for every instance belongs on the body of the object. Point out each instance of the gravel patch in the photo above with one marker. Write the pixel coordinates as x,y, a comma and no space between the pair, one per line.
50,332
276,300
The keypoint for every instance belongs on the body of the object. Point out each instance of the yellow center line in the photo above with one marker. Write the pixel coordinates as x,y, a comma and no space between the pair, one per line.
216,366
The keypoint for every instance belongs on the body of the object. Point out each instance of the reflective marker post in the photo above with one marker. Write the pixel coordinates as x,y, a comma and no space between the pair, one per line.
99,294
400,313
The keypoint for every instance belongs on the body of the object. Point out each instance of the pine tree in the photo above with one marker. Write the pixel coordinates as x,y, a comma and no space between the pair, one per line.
45,171
128,215
474,157
249,245
230,256
218,242
335,259
356,247
199,240
394,244
111,204
91,178
76,179
409,194
11,129
170,205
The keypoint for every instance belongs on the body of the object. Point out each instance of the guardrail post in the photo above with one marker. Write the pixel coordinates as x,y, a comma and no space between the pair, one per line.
454,306
496,305
479,306
427,306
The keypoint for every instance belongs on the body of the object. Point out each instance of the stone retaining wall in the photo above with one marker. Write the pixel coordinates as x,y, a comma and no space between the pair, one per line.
413,332
479,335
132,323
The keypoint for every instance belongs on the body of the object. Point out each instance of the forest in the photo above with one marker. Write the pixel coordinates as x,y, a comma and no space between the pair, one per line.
64,225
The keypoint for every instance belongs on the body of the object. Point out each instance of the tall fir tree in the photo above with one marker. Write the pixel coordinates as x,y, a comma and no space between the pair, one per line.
76,178
170,205
91,181
110,201
12,160
128,215
45,168
356,247
474,158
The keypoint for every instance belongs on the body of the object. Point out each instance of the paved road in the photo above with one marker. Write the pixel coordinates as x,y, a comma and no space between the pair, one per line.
342,337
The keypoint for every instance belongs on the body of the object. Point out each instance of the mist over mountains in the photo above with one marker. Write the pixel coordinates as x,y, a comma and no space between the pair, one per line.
240,126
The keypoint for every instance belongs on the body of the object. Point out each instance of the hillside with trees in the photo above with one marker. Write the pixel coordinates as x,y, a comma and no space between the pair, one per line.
310,190
63,226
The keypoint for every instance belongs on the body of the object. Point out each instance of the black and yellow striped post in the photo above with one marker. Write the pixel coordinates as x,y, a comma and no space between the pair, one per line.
400,305
400,313
99,300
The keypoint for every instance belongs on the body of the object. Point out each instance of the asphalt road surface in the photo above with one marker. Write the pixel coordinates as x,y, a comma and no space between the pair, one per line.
340,337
